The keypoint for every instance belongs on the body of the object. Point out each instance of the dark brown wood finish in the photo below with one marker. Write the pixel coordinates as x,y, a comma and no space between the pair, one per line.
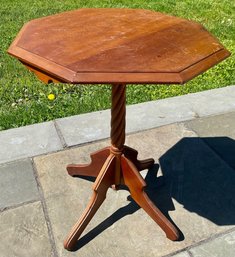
126,46
116,46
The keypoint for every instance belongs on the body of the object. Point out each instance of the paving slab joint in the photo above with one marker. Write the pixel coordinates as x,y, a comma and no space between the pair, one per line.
178,253
60,134
17,205
209,239
45,211
189,253
216,153
202,242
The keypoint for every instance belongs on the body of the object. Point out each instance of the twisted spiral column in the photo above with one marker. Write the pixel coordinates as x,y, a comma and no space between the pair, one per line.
118,117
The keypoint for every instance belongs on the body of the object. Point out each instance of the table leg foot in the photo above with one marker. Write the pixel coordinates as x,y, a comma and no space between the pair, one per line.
103,181
92,170
131,154
136,185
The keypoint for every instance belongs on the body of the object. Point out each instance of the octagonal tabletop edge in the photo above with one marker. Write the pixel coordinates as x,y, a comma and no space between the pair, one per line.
116,46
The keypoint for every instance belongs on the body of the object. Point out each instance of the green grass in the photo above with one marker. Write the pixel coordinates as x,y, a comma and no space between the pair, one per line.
23,99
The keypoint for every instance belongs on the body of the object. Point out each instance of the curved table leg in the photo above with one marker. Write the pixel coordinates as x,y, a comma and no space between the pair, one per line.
104,180
92,170
131,154
136,184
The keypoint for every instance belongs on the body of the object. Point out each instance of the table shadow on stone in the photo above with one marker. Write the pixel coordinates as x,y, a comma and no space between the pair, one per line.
201,183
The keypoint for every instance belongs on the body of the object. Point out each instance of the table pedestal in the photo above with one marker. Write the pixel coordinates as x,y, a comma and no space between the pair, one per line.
114,166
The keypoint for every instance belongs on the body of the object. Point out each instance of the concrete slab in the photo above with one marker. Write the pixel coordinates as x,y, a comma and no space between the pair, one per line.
85,128
23,232
95,126
211,102
17,183
218,247
28,141
157,113
219,133
191,171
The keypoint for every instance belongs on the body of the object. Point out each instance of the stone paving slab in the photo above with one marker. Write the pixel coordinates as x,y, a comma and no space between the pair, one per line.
85,128
219,133
17,183
28,141
211,102
95,126
23,232
219,247
191,172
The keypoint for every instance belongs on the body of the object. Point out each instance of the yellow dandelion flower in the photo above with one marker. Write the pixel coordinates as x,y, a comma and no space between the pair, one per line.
51,97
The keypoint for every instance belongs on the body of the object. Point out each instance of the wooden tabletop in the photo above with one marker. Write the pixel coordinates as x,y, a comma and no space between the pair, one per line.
116,46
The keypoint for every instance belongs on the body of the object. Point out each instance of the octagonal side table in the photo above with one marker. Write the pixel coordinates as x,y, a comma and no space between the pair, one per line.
116,46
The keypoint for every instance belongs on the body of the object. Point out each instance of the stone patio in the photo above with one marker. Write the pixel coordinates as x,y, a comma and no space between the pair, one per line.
192,183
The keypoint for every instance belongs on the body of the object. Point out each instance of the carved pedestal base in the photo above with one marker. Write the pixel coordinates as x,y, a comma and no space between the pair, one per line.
113,169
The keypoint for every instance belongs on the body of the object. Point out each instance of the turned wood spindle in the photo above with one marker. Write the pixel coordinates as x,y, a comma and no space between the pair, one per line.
118,117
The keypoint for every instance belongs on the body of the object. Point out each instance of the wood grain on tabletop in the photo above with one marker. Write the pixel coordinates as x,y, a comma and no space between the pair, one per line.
117,45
